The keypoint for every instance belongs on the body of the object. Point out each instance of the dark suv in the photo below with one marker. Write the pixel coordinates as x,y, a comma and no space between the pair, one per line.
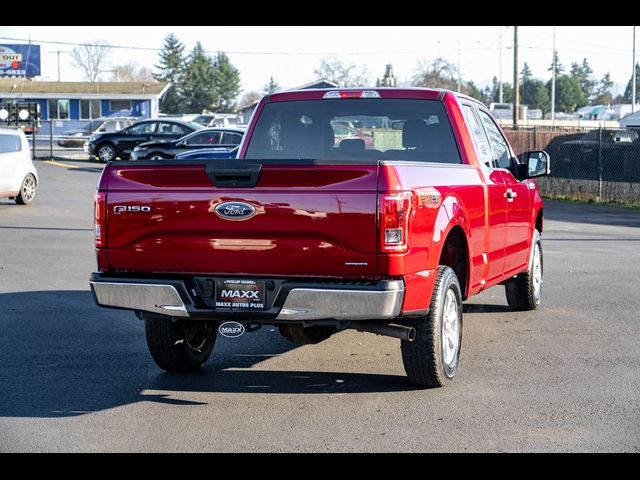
108,146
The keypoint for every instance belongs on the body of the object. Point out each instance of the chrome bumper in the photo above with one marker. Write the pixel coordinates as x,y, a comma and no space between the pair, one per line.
301,303
319,304
162,299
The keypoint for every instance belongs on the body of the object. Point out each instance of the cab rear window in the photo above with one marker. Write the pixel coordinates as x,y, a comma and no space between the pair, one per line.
386,129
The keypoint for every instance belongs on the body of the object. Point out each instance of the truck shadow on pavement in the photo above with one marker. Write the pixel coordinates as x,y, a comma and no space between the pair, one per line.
63,356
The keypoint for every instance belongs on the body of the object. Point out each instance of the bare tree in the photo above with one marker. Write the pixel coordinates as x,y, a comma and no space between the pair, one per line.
133,72
438,73
90,58
249,98
338,72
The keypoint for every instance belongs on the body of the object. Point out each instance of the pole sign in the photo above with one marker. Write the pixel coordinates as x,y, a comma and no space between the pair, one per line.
20,60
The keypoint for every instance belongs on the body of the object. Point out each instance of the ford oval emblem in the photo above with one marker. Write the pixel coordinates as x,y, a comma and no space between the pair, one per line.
235,210
231,329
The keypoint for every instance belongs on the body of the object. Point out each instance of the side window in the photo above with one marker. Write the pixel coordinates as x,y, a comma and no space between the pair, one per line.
146,128
170,129
207,138
478,135
499,145
10,143
231,139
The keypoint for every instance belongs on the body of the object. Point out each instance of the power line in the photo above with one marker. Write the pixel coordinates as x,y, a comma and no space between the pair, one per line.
236,52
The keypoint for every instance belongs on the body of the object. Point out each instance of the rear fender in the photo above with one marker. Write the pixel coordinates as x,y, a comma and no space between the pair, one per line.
451,214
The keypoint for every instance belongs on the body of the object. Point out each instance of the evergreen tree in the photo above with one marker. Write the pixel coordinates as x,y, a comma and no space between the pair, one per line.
474,92
569,95
226,81
627,91
603,94
526,73
536,95
533,91
493,94
271,87
584,76
170,69
559,66
199,92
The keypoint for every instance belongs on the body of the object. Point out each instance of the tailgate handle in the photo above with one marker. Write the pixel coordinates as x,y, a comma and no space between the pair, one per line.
234,176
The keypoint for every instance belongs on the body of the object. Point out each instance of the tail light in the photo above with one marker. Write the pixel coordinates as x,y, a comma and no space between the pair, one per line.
100,218
395,213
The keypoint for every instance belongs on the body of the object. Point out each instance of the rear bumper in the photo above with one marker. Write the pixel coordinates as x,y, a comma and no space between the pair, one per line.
286,301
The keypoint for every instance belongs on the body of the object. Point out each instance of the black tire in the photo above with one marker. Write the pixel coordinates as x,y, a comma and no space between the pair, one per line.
106,152
156,156
524,292
180,345
27,190
425,360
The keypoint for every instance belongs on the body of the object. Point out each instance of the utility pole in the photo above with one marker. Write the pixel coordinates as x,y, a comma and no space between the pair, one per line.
553,79
59,52
501,99
633,74
516,86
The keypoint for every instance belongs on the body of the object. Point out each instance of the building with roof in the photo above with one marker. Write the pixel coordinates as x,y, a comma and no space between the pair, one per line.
72,105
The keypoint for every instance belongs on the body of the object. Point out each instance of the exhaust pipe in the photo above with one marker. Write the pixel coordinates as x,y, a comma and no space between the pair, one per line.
408,334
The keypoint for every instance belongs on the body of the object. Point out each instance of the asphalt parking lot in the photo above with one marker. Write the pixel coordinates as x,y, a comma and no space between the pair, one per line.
76,377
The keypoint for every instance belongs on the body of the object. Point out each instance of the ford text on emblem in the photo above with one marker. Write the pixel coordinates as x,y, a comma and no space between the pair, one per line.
235,210
231,329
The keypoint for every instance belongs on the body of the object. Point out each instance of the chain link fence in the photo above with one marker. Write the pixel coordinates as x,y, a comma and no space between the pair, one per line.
600,164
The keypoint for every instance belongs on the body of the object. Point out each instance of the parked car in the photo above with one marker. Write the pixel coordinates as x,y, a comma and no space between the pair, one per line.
77,137
109,146
218,120
18,176
209,153
206,138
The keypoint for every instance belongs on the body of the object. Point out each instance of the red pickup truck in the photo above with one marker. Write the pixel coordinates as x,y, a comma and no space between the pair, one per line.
317,235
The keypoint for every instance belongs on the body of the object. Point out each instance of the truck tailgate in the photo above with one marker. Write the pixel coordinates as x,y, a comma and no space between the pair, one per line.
308,219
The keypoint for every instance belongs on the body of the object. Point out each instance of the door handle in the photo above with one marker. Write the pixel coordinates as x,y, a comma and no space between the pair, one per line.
510,195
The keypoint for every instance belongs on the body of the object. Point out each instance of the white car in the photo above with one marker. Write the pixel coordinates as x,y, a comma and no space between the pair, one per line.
18,176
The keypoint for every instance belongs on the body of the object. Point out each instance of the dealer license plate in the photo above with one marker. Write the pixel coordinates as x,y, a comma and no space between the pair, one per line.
240,294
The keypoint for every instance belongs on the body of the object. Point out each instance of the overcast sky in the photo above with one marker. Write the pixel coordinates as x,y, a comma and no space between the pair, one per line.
290,54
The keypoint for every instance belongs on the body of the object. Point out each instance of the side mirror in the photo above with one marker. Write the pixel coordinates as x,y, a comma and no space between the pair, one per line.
537,164
181,143
102,129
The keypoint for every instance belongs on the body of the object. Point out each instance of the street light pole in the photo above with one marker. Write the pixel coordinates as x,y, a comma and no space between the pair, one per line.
501,99
553,79
633,74
516,78
59,52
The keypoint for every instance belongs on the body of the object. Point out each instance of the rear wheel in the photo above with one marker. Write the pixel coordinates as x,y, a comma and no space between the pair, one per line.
27,190
180,345
524,292
431,360
157,156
